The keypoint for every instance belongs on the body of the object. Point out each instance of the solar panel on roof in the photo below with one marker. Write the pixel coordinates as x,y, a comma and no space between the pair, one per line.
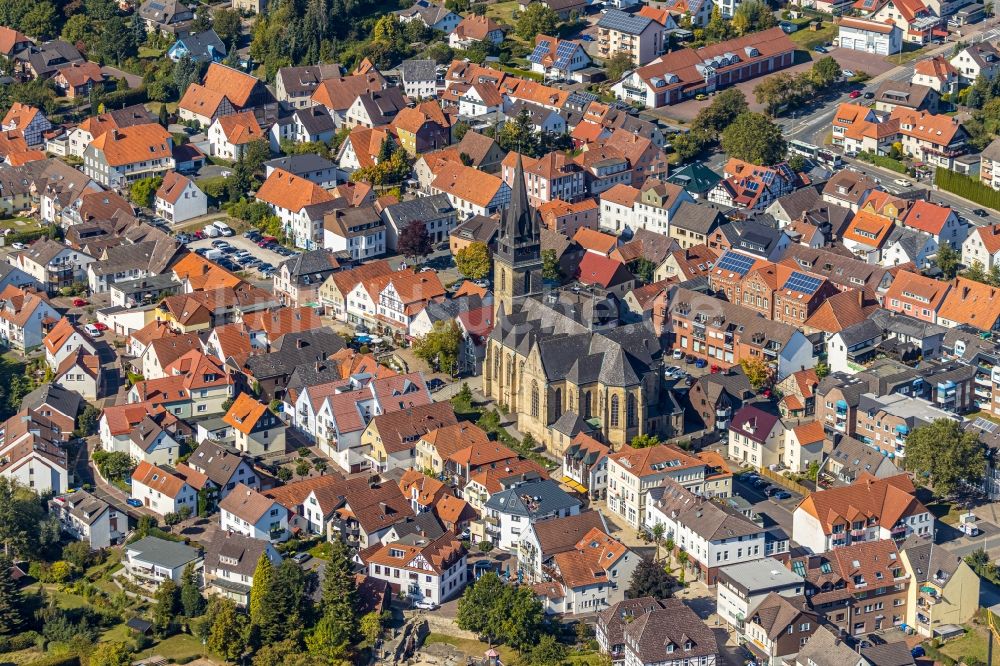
734,262
984,424
807,284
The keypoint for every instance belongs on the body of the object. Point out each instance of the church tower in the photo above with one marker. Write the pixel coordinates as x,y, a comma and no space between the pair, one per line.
517,265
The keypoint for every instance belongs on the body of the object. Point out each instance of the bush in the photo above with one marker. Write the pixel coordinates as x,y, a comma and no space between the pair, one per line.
22,641
882,161
56,660
968,188
127,97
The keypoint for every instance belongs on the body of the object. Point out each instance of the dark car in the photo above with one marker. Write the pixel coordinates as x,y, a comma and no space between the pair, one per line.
434,384
782,495
876,639
760,484
979,212
772,491
869,95
918,652
131,501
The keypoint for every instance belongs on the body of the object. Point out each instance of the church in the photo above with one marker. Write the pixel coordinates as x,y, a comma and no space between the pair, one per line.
560,359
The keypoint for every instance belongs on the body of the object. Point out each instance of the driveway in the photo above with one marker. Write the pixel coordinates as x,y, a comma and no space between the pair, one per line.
87,473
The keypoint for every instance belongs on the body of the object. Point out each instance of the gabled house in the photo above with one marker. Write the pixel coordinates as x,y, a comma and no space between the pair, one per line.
434,16
167,16
25,317
178,199
63,340
28,121
201,47
975,60
756,437
81,372
230,563
429,570
248,512
392,436
90,519
162,491
150,442
256,428
223,468
119,157
299,203
591,576
58,405
557,58
474,29
229,135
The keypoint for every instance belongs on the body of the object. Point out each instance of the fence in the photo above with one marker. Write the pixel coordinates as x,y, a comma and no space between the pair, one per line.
784,481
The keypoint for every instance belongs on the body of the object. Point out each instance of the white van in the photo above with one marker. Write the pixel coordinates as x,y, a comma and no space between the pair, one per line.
223,228
212,231
92,330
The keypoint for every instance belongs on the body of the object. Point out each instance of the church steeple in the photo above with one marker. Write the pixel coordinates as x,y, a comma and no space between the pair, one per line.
517,270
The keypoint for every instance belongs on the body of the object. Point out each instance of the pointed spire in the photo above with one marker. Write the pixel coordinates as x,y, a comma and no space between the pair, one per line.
518,221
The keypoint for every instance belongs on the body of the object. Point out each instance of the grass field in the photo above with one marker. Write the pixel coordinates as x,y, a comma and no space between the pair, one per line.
471,648
146,52
910,52
503,12
809,39
179,646
968,648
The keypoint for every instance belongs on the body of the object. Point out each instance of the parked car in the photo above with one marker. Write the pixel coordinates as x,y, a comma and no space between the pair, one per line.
902,182
678,354
220,243
701,97
869,95
300,558
131,501
820,49
424,604
855,94
847,73
80,302
100,326
918,652
782,495
700,363
979,212
771,491
19,246
434,384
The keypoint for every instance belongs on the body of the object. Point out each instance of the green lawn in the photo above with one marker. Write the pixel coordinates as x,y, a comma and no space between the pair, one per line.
503,12
21,656
809,39
968,648
943,510
910,52
180,646
19,223
147,52
321,550
472,648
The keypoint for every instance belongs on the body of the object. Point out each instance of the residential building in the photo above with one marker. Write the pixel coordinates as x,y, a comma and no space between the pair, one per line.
641,37
975,60
230,563
178,199
87,518
982,245
257,430
28,121
205,46
119,157
557,58
299,203
152,560
471,191
162,491
869,509
421,568
229,135
756,437
591,576
585,463
742,587
246,511
936,73
711,533
294,86
633,472
943,590
779,627
932,138
474,29
434,16
509,512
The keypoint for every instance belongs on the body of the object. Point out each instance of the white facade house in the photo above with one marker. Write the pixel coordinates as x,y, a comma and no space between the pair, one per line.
982,246
151,560
87,518
420,568
742,586
178,199
248,512
161,491
64,340
755,437
712,534
510,511
870,36
633,472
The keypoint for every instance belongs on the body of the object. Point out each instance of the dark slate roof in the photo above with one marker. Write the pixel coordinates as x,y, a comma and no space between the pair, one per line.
418,70
857,457
311,267
800,201
301,164
570,424
316,119
216,462
168,554
294,349
233,546
204,45
889,654
851,387
861,332
425,209
676,623
300,80
521,500
424,523
58,398
613,620
753,237
752,416
930,563
694,177
700,218
631,24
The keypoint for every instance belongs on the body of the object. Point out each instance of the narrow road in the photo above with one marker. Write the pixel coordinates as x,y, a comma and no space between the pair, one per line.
103,489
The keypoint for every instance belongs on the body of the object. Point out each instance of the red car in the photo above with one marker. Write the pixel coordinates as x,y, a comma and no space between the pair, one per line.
79,302
100,326
855,94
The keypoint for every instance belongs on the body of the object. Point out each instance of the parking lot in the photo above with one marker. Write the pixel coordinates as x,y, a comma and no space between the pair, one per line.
240,244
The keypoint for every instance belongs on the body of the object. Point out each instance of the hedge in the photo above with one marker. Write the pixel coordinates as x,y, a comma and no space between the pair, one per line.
61,660
966,187
882,161
119,99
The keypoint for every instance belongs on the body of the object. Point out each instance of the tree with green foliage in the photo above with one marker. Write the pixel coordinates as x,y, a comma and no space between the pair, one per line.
143,191
460,129
40,21
537,19
226,23
822,369
618,64
812,472
110,653
117,41
372,626
165,607
463,399
440,346
550,266
947,260
113,465
474,260
86,422
547,652
227,636
753,16
644,441
691,145
192,603
644,269
478,608
976,272
518,134
945,455
825,72
754,138
650,580
21,513
12,606
263,579
724,109
100,10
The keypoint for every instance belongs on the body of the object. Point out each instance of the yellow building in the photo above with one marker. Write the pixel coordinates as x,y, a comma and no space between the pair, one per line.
944,589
